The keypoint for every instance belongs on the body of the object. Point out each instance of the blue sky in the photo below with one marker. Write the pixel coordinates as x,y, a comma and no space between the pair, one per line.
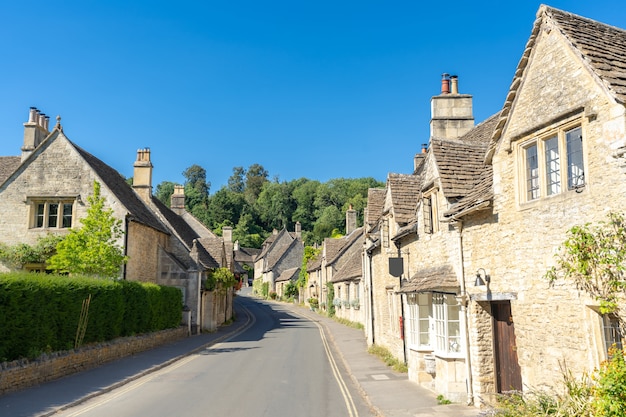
306,89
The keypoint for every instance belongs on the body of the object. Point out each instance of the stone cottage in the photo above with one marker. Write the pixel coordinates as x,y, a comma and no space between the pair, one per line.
46,193
555,160
280,251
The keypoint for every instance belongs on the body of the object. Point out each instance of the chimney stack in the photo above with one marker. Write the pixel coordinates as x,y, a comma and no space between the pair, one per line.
35,131
142,178
177,200
451,113
227,234
350,220
298,231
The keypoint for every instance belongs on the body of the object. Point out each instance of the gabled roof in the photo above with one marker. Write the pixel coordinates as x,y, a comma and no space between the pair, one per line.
200,253
246,254
341,245
214,247
8,165
314,264
278,253
351,262
602,48
112,179
375,203
289,275
272,241
184,231
405,191
461,161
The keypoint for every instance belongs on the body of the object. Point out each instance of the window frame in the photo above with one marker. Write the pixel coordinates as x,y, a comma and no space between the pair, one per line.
43,217
430,211
611,333
441,338
419,325
553,165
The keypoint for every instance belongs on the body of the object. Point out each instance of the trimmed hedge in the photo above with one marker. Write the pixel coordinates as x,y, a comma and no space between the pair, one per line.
40,313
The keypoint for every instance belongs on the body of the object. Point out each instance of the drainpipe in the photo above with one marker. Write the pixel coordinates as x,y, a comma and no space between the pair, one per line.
465,315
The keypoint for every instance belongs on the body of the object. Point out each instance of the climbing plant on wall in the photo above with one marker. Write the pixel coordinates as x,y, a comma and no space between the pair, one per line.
593,256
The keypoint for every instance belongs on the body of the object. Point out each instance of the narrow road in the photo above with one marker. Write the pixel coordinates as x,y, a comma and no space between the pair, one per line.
279,365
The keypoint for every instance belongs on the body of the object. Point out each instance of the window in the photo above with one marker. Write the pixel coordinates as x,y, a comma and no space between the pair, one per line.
447,324
612,332
52,214
385,233
553,163
429,206
419,314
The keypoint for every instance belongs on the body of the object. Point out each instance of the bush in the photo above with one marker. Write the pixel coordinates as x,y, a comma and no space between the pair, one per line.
610,390
313,302
40,313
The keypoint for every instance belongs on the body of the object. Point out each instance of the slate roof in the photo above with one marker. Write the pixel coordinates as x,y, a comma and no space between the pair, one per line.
8,165
405,191
438,278
601,47
375,203
288,275
138,211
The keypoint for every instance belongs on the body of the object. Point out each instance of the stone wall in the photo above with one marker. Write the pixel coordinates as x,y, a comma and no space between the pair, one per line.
21,374
143,252
517,242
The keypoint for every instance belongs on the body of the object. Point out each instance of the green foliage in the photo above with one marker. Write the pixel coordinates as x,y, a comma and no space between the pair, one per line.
164,192
610,389
441,400
313,302
593,256
17,256
220,280
386,356
330,293
310,253
29,326
92,249
291,290
349,323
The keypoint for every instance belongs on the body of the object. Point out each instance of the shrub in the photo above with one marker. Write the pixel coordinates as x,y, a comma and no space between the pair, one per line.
610,389
313,302
29,326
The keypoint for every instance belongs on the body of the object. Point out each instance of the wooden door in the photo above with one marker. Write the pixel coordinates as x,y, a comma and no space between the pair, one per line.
508,373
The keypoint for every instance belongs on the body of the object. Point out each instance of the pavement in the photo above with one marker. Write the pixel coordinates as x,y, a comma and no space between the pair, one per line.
388,393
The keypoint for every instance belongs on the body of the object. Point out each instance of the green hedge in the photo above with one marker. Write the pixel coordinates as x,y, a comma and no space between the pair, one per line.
40,313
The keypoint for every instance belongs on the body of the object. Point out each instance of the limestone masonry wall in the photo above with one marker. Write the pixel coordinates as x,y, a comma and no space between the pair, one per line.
22,374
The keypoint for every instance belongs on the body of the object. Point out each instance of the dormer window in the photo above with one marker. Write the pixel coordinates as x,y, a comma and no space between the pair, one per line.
51,213
553,162
430,212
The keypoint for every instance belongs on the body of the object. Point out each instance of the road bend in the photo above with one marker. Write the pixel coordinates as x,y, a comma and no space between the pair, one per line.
281,364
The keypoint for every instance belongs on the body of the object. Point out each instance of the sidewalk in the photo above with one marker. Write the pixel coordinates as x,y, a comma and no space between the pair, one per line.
389,393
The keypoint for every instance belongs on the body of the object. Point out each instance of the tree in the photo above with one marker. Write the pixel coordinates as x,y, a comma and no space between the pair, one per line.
236,182
164,192
92,249
256,176
594,257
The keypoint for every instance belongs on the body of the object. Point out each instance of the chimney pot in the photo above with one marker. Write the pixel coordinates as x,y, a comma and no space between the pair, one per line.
445,83
424,147
32,115
454,80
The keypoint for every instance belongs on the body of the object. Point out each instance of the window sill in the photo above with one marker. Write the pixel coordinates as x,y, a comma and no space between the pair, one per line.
421,349
551,199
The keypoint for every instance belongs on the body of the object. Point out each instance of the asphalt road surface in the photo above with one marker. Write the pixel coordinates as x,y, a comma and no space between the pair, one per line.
281,364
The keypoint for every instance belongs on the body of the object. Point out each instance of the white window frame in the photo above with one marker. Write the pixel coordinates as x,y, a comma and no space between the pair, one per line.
447,337
42,213
549,166
419,321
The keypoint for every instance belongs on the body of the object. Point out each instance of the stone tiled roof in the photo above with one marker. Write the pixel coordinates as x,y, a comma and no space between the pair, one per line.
214,248
438,278
278,253
461,161
8,165
181,228
314,264
352,262
340,246
405,191
200,252
288,275
375,203
602,48
269,243
138,211
246,255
